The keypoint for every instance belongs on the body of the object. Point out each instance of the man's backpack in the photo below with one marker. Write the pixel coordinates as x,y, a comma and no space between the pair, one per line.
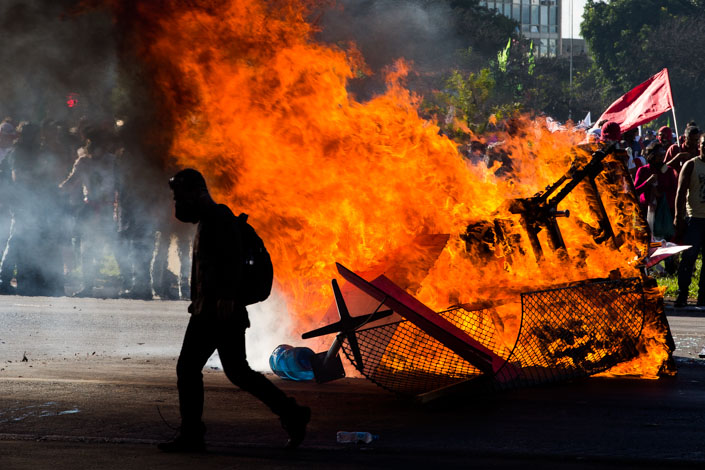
257,272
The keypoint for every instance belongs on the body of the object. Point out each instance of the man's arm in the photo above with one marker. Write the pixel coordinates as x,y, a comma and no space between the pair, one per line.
671,155
230,270
641,181
681,194
221,255
75,173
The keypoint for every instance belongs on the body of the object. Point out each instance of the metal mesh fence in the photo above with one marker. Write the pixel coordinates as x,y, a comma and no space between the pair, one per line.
403,359
562,333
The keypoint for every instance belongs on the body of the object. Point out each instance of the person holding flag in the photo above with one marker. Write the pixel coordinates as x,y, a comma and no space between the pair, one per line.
641,104
665,136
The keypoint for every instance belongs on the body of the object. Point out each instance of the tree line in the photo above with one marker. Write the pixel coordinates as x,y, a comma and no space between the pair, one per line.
493,70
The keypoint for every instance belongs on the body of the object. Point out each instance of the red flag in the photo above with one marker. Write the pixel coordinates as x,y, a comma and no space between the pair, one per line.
641,104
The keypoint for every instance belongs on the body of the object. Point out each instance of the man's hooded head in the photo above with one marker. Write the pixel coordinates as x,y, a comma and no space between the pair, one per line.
611,132
190,191
665,135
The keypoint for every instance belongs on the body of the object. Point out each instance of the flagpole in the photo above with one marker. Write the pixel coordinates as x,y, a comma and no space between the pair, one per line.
570,89
673,105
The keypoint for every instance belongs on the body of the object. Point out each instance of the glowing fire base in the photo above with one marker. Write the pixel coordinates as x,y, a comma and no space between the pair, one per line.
563,333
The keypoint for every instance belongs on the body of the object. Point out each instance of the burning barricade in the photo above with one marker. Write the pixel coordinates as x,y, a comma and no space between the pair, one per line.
573,330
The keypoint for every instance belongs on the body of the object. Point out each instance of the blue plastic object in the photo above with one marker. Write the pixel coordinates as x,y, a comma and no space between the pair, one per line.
292,363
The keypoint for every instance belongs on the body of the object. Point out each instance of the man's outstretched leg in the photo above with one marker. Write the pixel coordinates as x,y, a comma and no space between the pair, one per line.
294,417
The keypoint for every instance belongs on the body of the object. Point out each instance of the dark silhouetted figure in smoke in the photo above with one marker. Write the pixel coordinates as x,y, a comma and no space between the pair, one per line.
136,222
57,152
7,263
94,173
164,281
73,197
59,147
34,195
218,319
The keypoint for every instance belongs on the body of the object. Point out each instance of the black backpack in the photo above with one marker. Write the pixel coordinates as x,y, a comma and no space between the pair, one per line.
258,272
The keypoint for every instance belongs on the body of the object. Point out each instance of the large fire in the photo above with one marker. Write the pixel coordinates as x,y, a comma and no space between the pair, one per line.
263,111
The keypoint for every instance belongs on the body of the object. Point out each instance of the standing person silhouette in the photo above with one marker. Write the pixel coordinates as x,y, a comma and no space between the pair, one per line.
218,319
690,223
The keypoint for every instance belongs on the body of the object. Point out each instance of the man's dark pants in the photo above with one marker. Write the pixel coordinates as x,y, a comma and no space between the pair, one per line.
204,334
694,236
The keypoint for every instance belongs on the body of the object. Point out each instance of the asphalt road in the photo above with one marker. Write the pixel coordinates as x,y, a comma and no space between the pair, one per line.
98,391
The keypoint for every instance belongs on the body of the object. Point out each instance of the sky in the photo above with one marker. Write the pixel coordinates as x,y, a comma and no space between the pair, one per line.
578,6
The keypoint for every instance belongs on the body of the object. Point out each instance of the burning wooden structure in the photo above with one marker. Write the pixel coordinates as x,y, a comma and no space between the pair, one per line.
567,331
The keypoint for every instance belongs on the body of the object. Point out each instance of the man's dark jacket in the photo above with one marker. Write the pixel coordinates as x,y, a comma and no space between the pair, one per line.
217,263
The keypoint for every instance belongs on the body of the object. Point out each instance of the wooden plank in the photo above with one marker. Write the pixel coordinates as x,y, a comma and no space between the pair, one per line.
418,256
427,320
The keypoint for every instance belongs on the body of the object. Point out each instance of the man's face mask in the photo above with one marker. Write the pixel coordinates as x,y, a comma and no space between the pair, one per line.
186,209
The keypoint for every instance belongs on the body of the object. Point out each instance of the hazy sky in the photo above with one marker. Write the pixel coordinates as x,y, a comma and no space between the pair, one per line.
578,6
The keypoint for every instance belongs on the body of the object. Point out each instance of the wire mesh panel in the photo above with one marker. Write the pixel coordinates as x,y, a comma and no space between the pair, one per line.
577,331
403,359
563,333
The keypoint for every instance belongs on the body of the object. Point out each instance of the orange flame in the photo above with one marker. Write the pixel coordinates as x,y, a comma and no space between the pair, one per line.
267,118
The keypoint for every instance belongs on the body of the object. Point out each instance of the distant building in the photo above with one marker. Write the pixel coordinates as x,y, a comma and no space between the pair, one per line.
578,46
540,21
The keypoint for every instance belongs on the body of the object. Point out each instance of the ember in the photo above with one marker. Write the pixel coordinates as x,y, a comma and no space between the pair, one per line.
263,111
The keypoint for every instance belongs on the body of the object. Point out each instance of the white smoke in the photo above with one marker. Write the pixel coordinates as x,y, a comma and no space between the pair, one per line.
270,327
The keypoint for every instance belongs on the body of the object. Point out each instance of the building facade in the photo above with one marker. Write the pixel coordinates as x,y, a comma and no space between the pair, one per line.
576,47
540,20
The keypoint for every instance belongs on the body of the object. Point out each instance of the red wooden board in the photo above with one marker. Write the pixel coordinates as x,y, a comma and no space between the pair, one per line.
427,320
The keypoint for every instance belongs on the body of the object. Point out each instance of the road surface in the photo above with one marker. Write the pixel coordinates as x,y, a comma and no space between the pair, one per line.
98,391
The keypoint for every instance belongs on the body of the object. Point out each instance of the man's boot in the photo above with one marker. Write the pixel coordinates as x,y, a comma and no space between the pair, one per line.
294,423
701,300
189,440
681,300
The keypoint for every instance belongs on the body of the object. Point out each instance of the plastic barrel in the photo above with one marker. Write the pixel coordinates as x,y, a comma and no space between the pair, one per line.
275,362
292,363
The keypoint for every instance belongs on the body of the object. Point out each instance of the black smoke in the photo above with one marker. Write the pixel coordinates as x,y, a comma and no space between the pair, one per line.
48,52
68,68
435,36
